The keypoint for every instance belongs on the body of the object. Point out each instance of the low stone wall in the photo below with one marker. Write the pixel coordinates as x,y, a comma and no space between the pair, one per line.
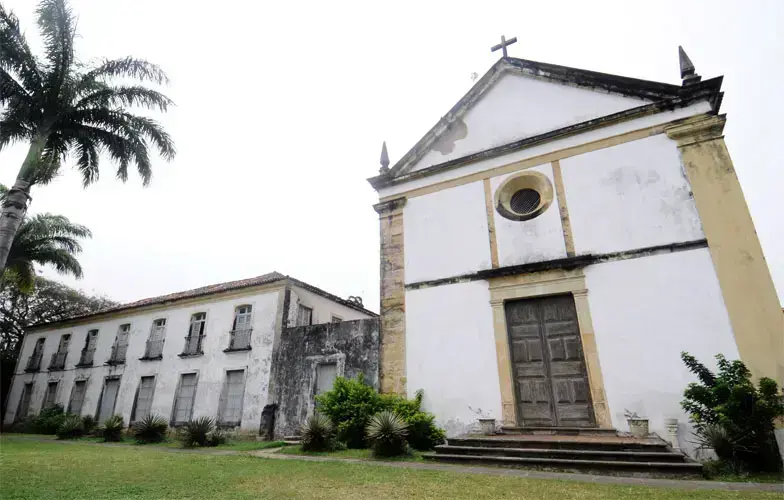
353,346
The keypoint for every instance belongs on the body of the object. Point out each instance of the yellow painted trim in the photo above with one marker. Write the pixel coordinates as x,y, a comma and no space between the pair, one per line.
539,284
491,224
534,161
269,287
747,288
566,224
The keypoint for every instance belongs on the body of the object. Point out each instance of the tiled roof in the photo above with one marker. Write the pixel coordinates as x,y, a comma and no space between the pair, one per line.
209,290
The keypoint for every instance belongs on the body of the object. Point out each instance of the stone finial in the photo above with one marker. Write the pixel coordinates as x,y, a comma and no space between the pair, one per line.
384,159
688,73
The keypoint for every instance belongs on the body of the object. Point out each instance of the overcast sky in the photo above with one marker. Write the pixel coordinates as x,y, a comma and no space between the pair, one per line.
282,107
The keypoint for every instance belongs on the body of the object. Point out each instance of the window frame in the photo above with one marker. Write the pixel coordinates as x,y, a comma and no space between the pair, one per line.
106,379
300,308
135,406
334,317
20,415
223,401
70,397
50,394
172,421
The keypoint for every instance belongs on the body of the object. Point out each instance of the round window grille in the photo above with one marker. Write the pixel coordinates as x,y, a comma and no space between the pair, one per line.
525,201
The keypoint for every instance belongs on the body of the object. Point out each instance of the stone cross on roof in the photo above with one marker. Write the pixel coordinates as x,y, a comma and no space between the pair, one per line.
504,43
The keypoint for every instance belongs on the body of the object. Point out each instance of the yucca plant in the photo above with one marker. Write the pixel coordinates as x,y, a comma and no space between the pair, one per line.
112,428
150,429
196,432
318,433
88,424
387,433
71,428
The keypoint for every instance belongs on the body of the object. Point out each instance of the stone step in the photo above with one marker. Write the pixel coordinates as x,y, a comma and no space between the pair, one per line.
558,431
607,467
614,456
563,443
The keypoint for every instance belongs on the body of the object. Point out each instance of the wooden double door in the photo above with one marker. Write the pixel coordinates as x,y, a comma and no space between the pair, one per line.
548,367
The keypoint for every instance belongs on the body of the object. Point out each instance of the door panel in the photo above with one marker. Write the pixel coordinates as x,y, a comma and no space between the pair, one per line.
548,366
110,389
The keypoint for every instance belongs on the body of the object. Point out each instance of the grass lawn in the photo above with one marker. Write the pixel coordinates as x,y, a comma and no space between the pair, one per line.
365,454
33,470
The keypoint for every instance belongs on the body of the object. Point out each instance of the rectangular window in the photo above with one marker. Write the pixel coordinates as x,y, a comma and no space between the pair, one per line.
50,398
183,400
242,317
155,342
241,329
24,401
325,377
34,362
90,340
195,334
336,319
58,358
120,347
230,408
77,397
108,399
143,402
304,316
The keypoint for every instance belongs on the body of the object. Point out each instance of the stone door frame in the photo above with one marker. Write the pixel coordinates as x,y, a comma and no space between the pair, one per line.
543,284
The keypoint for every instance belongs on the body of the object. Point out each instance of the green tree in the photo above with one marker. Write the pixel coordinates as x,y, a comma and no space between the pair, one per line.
62,107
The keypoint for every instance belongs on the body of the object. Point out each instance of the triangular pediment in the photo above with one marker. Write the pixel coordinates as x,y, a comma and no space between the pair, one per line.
519,99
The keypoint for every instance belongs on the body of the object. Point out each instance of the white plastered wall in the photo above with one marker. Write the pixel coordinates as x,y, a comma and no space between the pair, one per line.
646,311
211,366
445,233
630,196
520,106
323,308
450,353
535,240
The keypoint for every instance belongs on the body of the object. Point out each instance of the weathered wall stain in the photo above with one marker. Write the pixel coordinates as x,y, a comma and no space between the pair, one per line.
352,345
446,143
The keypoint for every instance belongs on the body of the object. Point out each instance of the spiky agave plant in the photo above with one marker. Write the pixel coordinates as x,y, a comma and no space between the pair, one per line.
318,433
71,428
196,432
387,433
150,429
112,428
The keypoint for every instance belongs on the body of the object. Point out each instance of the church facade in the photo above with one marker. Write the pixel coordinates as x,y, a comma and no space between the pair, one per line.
557,239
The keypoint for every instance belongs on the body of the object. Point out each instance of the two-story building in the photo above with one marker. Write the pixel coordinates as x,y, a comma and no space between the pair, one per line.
202,352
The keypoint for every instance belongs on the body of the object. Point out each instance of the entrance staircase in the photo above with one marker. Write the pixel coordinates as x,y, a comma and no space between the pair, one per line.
585,450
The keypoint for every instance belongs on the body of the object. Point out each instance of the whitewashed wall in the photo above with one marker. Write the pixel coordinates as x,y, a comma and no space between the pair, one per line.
522,106
535,240
445,233
645,312
450,353
323,308
211,366
629,196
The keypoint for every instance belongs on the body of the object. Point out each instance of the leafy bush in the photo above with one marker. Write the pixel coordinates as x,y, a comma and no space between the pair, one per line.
318,433
71,428
732,416
350,405
111,430
89,424
196,432
150,429
387,434
49,420
217,437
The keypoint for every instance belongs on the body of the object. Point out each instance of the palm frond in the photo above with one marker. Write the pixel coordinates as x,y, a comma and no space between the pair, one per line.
135,95
15,54
126,67
56,23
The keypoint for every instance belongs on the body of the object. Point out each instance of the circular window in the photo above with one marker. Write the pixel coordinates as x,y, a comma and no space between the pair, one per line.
524,196
525,201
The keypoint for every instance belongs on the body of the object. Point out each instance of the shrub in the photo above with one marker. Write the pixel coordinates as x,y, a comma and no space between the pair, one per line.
732,416
71,428
387,434
318,433
217,437
150,429
350,405
111,430
88,424
49,420
423,433
196,432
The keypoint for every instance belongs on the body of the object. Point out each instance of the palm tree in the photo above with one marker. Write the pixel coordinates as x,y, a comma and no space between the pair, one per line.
43,239
62,107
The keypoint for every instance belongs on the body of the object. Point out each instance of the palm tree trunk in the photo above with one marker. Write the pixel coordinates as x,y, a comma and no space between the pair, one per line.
15,204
